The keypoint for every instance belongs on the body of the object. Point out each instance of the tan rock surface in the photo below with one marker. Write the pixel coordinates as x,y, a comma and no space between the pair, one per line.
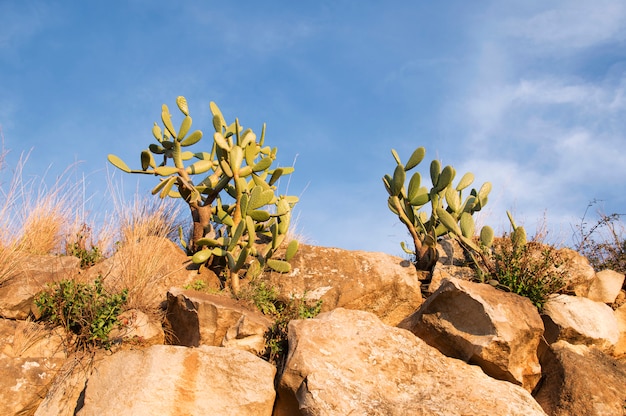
348,362
385,285
579,320
479,324
171,380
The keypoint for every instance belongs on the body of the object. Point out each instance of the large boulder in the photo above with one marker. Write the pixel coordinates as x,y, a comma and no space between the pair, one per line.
579,380
385,285
195,318
171,380
34,273
481,325
606,286
580,272
349,362
580,320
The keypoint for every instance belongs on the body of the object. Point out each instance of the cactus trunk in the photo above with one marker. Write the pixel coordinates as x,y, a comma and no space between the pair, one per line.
201,216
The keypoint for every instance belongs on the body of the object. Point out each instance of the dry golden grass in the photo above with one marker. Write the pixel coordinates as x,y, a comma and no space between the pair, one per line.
145,228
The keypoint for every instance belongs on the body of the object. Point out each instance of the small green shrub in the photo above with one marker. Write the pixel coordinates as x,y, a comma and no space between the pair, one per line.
85,310
83,247
532,270
296,308
199,285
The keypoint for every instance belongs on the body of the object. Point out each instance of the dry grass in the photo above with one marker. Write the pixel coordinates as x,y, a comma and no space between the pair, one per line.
33,217
145,228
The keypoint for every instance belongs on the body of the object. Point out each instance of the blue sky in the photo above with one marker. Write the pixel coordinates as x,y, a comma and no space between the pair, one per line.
529,95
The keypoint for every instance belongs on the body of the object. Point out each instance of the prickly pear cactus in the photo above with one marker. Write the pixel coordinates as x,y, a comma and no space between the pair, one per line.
449,212
231,191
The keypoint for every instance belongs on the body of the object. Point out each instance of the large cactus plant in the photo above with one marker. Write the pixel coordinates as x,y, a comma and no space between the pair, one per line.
449,212
238,219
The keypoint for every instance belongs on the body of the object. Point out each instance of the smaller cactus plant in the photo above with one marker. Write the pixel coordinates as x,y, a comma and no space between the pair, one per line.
238,220
449,212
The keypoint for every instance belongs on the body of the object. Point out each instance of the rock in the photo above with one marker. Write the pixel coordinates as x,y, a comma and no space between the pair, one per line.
482,325
579,380
441,272
64,393
349,362
137,326
606,286
450,252
197,318
18,293
580,320
172,380
26,339
620,316
24,382
148,269
385,285
580,272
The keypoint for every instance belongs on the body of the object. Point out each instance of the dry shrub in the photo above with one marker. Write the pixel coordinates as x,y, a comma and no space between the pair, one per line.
603,242
33,217
146,228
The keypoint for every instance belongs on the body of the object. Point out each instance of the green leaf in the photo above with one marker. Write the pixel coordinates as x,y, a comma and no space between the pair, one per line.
192,139
416,158
259,216
147,160
259,197
165,170
395,156
435,170
221,141
448,221
201,256
292,248
156,132
118,163
467,225
182,105
279,266
414,186
184,128
262,164
166,117
465,181
399,176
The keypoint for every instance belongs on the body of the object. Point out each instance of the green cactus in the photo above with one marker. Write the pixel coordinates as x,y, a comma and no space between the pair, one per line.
449,212
236,214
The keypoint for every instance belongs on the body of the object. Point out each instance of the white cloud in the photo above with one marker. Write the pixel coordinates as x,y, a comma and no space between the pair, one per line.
573,24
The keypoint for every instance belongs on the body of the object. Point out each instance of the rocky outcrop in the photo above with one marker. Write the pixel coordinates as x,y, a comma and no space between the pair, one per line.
385,285
197,318
349,362
482,325
172,380
580,380
580,320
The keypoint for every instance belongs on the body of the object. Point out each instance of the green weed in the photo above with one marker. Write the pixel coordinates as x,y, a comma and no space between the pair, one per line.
85,310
